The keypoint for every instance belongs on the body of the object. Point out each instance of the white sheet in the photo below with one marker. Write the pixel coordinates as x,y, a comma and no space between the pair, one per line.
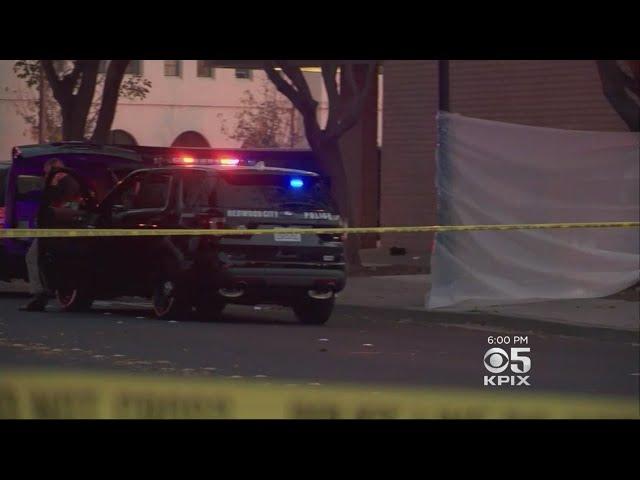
498,173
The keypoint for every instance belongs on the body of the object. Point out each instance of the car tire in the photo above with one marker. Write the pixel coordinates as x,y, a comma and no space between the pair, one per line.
310,311
209,310
167,303
73,299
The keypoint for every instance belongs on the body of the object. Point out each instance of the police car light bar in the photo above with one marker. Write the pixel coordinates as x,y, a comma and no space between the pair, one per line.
229,161
204,161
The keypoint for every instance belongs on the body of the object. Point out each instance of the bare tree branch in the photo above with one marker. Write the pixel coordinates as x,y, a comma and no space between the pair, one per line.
354,109
86,90
70,80
59,91
110,94
614,81
283,86
347,71
329,72
298,80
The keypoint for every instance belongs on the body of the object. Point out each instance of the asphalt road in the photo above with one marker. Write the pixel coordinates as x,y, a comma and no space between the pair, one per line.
358,345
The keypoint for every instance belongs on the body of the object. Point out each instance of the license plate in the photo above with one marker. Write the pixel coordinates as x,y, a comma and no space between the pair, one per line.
287,237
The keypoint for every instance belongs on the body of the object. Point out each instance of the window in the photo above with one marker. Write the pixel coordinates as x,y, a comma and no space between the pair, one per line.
243,73
198,191
205,69
29,186
148,191
172,68
134,67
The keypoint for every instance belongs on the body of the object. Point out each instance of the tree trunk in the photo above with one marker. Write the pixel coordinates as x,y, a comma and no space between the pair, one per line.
330,158
110,94
77,125
614,84
67,122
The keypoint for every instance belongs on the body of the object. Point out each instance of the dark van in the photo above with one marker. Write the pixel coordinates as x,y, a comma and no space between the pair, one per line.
101,167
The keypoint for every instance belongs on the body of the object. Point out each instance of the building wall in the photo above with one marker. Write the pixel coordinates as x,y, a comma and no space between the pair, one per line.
178,104
173,105
13,96
550,93
409,140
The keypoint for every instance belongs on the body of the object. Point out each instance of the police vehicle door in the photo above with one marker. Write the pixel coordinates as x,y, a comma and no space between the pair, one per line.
143,201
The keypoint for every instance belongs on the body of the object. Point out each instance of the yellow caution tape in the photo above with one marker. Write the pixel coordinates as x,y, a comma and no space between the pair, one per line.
39,395
152,232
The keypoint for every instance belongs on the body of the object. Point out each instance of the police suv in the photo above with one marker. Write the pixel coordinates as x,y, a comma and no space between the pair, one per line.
186,275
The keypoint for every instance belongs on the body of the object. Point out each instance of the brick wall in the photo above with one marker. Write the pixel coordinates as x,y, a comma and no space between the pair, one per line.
550,93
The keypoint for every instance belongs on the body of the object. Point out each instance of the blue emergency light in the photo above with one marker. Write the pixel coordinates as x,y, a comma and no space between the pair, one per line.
296,183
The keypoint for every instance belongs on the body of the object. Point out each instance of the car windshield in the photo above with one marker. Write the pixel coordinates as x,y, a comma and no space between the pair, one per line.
261,191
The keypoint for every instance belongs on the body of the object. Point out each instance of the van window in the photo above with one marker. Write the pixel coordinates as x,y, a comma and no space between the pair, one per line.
28,186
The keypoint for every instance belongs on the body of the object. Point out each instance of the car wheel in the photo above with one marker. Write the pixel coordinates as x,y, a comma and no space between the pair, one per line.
209,310
311,311
167,304
73,299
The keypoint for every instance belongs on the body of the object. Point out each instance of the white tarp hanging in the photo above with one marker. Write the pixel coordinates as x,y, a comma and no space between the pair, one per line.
500,173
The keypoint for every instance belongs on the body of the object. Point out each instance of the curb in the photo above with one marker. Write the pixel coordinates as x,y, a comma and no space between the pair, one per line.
516,324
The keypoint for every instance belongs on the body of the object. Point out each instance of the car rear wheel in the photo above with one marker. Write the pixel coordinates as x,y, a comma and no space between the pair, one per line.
311,311
167,303
73,299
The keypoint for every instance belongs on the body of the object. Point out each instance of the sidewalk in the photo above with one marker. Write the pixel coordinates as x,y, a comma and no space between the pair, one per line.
378,261
407,292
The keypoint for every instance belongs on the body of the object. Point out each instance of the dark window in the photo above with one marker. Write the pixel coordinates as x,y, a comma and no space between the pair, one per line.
134,67
198,191
243,73
29,186
148,191
205,69
172,68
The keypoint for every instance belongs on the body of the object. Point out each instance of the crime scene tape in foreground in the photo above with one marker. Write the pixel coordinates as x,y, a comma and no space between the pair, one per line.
62,395
152,232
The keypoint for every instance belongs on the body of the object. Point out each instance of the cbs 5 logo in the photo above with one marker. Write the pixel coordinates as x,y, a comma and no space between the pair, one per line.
496,360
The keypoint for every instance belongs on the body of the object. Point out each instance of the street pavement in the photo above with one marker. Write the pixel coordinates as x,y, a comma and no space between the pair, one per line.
359,345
